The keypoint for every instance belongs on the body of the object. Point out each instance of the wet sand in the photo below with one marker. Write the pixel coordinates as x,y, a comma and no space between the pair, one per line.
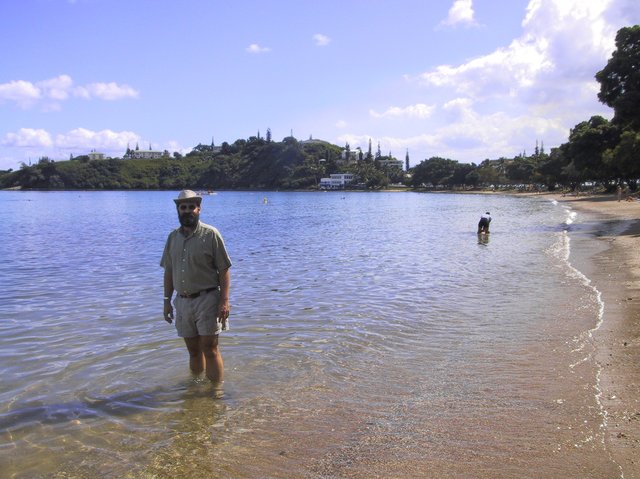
616,273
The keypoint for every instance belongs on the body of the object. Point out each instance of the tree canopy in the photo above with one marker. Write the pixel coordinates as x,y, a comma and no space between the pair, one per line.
620,79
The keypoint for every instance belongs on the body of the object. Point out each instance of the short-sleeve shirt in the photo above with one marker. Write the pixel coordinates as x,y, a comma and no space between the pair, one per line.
195,260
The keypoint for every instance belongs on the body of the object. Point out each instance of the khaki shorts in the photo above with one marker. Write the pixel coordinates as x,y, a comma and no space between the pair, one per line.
198,316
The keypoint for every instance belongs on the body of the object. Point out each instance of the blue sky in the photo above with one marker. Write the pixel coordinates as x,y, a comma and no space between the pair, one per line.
461,79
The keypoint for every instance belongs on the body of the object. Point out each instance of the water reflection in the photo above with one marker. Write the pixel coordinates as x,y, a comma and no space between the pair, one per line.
483,239
195,433
182,423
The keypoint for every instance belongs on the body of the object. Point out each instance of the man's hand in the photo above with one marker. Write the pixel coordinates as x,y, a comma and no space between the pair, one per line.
223,312
168,311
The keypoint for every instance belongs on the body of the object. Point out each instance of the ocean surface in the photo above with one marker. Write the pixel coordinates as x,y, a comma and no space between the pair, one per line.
372,335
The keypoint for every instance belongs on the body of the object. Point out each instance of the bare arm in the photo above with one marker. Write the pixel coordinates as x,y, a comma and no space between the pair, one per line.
225,285
168,292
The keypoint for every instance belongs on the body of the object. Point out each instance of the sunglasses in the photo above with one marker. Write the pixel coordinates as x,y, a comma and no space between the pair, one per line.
189,207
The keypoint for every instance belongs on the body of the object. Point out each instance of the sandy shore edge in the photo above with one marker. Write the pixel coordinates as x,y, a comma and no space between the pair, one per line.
616,274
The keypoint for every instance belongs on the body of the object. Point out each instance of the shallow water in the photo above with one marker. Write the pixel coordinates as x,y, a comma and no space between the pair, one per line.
372,335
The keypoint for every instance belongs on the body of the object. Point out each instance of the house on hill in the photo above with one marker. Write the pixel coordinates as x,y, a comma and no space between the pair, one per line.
144,154
95,155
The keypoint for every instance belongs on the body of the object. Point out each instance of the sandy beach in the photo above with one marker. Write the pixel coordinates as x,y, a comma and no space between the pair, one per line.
616,273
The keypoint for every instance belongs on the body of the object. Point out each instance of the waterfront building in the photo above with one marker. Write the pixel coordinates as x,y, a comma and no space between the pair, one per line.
336,181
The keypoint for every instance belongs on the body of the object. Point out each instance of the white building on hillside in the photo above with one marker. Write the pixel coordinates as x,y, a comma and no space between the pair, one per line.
352,157
147,154
95,155
144,154
390,162
336,181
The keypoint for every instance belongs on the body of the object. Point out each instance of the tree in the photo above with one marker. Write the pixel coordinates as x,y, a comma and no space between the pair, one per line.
200,148
588,141
521,170
623,159
472,178
460,173
368,174
488,174
435,170
620,79
551,170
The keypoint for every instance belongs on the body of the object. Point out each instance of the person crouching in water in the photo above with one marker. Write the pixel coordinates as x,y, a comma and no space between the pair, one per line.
483,225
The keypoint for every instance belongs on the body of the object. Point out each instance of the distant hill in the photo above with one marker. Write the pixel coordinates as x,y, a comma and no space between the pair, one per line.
246,164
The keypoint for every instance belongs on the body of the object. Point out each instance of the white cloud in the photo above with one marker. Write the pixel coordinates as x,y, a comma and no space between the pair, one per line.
491,135
397,146
55,90
321,40
173,146
471,136
28,138
29,144
419,110
38,142
457,104
107,91
255,48
537,87
563,41
501,72
460,13
80,139
341,124
22,92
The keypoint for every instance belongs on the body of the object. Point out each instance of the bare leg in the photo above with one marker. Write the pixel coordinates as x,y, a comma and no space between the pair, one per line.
196,358
213,359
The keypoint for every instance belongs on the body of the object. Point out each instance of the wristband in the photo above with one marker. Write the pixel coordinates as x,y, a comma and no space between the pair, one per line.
167,298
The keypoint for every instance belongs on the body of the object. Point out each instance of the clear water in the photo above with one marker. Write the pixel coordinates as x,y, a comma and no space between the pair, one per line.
372,335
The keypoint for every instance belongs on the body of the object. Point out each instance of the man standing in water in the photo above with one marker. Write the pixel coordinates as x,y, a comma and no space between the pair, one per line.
196,266
483,224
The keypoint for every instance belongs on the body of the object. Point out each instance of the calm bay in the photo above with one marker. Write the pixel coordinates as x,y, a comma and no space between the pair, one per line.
372,335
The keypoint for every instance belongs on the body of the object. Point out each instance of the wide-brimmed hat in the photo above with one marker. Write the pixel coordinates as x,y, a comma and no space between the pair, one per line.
188,196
